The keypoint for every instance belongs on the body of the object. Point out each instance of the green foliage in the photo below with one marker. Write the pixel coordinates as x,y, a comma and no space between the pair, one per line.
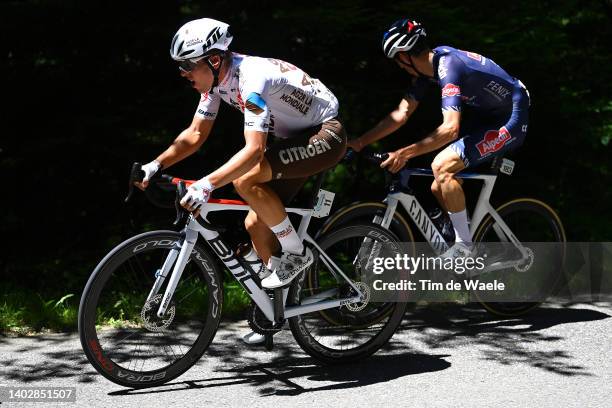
25,312
22,311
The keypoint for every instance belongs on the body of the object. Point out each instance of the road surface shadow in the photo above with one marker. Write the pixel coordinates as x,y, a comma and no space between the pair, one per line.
440,327
508,340
291,371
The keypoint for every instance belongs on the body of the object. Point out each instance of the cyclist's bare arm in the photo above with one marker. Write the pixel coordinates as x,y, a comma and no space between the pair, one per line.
390,123
186,143
250,155
441,136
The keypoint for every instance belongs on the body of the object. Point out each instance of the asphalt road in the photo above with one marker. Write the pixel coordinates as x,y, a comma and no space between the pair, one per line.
445,355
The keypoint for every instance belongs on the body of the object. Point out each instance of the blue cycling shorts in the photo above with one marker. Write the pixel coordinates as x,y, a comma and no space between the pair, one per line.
480,140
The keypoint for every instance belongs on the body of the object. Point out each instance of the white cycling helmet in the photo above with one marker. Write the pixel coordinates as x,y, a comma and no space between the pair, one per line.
200,38
197,40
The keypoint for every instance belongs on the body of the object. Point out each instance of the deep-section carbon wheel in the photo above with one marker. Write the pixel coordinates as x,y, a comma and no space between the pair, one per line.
534,223
350,332
121,334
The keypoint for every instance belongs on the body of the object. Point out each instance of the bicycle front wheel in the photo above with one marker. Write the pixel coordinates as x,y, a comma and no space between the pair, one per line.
531,221
120,332
350,332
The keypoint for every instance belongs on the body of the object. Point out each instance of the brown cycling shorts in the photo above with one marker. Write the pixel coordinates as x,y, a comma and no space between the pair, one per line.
312,151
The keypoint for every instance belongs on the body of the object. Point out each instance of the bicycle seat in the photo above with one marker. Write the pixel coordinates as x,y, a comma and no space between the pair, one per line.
494,167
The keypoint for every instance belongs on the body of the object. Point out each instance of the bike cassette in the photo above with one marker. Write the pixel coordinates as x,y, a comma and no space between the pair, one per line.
148,314
259,323
359,306
527,263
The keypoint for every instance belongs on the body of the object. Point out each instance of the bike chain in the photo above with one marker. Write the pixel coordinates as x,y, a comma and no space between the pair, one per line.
259,323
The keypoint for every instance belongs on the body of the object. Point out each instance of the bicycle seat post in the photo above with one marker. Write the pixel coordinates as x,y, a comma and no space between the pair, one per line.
316,187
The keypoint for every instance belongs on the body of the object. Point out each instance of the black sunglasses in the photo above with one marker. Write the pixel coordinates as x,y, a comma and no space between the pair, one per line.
187,65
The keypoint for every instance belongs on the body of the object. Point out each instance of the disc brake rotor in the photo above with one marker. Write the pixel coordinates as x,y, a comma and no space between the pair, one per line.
358,306
527,263
148,314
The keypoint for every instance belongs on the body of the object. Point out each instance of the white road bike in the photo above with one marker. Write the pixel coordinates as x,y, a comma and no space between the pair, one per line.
152,306
522,220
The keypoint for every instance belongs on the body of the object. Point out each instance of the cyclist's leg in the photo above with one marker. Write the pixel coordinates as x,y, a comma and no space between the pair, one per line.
263,239
303,155
445,165
298,157
478,144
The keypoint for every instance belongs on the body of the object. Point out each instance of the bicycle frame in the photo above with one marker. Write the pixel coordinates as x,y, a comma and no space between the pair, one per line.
179,257
421,219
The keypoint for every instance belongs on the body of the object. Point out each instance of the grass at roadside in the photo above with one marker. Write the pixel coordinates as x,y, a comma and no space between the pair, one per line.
25,312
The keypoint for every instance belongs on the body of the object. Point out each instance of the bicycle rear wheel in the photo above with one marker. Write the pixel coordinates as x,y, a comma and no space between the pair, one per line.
120,332
531,221
365,213
351,332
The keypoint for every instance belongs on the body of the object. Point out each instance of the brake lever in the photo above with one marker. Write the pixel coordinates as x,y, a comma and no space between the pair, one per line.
136,174
181,213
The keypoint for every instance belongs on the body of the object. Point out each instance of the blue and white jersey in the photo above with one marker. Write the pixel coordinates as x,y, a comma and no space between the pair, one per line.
470,80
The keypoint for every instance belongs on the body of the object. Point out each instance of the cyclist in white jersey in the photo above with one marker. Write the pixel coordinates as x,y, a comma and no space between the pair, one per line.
276,98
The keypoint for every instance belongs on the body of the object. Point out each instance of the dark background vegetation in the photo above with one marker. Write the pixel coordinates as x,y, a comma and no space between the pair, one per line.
88,88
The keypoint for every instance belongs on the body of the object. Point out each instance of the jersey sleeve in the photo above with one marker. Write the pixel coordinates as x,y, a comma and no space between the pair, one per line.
208,106
517,124
253,87
417,89
451,75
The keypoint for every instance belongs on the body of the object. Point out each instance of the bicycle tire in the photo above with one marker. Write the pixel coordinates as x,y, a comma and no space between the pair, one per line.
101,357
310,343
510,309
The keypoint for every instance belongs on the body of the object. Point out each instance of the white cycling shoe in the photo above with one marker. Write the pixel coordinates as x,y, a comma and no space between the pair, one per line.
286,268
253,338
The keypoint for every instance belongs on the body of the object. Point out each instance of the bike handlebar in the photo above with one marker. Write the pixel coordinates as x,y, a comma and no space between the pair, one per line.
372,157
168,183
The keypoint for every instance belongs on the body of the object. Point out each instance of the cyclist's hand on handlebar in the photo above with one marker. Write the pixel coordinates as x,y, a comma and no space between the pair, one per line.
149,170
197,195
394,163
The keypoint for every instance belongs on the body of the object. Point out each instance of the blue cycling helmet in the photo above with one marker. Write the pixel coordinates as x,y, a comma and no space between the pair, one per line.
404,35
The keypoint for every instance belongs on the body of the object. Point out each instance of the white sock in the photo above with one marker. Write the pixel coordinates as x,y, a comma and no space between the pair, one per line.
288,237
460,225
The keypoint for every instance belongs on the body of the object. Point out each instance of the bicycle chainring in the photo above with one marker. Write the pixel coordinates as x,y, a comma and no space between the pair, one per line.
259,323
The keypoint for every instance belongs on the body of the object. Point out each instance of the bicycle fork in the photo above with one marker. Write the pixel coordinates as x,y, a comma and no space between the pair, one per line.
178,256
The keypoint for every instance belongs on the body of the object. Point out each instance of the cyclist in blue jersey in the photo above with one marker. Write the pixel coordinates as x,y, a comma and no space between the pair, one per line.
485,114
